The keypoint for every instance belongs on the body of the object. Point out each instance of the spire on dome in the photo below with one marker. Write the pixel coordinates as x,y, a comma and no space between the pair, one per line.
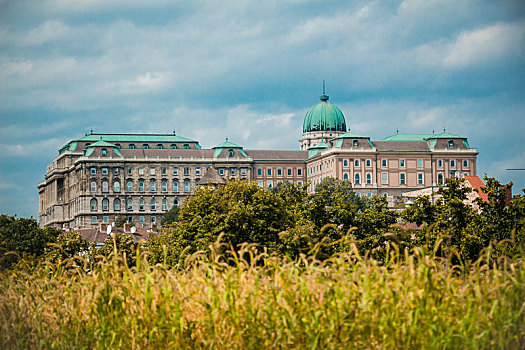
324,96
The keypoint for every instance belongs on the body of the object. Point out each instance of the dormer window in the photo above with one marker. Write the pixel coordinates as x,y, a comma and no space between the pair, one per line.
186,146
131,146
230,153
450,144
355,143
160,146
104,152
174,146
145,146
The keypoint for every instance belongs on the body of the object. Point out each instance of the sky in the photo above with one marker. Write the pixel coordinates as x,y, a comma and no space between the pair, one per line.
250,70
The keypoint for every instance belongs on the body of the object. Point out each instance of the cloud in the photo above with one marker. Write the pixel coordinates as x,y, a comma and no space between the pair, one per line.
49,31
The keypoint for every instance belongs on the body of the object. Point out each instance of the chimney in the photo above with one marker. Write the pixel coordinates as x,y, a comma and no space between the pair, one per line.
126,227
102,227
153,226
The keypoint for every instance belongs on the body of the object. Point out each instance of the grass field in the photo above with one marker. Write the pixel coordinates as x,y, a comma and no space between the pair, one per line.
413,301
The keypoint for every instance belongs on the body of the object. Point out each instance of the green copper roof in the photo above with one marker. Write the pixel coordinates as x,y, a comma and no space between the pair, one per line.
407,137
350,135
135,138
102,143
227,144
445,135
324,116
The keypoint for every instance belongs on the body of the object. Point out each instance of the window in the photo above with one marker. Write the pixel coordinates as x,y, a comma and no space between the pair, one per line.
452,163
129,204
368,163
93,186
420,163
141,185
116,171
129,171
356,178
103,152
440,163
356,162
358,194
152,171
402,180
93,204
288,172
130,219
401,163
94,219
131,146
420,178
175,171
141,204
299,172
118,145
164,171
299,183
230,153
152,185
269,171
279,172
368,179
175,186
116,204
465,163
186,146
384,163
384,178
269,184
260,183
232,171
221,171
355,143
450,144
173,146
164,186
116,186
243,171
105,219
130,186
345,162
186,171
164,204
186,186
159,146
105,186
105,171
197,171
345,176
152,204
141,171
153,219
369,194
105,204
176,202
93,171
259,172
141,219
145,146
440,179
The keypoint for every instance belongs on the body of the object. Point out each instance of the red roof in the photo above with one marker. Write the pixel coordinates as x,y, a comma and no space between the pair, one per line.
477,184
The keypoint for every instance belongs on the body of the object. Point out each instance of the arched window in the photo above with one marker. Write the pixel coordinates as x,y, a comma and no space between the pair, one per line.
345,162
116,204
164,186
345,176
186,186
186,146
368,178
440,179
357,178
356,162
175,186
141,185
131,146
173,146
105,204
230,153
104,152
153,204
164,204
105,186
129,205
145,146
93,186
152,185
130,186
141,204
355,143
93,203
176,202
116,186
159,146
368,162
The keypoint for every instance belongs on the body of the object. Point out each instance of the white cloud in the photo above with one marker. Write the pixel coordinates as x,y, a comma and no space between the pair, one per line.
49,31
46,148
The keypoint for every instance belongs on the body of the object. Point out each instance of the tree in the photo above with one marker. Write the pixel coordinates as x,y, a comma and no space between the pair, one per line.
121,244
120,221
68,245
170,217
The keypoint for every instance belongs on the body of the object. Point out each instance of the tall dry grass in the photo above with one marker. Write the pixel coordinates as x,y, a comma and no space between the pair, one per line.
414,301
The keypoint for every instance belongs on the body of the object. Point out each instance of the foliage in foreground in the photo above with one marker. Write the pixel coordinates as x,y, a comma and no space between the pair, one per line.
347,301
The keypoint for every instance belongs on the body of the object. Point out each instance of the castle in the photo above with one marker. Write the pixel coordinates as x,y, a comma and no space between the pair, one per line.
97,177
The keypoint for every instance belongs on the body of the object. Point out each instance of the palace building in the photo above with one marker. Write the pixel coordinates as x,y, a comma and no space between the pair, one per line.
97,177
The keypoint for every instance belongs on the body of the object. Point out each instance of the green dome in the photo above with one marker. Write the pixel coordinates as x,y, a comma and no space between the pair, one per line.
324,116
